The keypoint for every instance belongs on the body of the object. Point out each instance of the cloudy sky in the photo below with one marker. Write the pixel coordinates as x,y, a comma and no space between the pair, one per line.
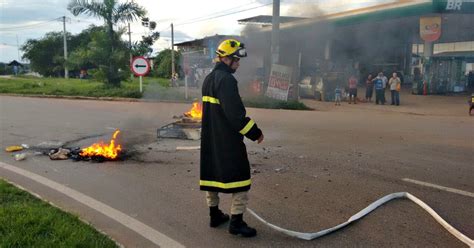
21,20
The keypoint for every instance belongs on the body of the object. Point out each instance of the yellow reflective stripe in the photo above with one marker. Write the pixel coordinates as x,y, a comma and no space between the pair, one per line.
210,99
247,127
225,185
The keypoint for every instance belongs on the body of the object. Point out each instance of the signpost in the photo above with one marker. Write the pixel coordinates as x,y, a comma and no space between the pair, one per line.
140,67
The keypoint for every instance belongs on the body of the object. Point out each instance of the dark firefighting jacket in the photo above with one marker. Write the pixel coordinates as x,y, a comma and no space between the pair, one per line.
224,162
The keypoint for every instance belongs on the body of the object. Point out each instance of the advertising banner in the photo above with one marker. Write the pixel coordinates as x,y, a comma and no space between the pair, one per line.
279,82
430,28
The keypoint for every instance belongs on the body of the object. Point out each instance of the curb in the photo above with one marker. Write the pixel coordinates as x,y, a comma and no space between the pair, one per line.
116,99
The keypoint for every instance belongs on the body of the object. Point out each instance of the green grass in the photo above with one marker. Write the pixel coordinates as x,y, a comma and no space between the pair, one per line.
269,103
154,89
73,87
26,221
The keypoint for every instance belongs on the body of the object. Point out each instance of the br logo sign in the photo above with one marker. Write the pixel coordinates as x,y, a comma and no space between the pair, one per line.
454,5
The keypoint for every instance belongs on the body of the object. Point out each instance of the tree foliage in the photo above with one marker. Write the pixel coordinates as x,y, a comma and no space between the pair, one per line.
46,55
99,49
143,47
81,57
112,12
162,63
95,56
5,69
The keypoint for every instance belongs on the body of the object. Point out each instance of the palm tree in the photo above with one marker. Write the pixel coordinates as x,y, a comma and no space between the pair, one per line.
112,12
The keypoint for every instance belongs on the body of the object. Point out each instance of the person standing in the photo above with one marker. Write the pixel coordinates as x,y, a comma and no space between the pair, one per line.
369,88
385,83
352,89
337,95
224,165
471,104
395,86
470,78
418,81
379,90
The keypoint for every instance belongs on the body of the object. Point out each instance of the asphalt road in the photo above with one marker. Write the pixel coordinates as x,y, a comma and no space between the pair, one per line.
314,170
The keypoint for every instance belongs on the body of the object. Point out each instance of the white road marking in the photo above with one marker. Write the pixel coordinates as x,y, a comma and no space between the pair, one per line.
452,190
144,230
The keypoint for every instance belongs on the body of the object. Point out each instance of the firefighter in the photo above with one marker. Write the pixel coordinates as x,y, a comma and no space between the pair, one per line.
224,163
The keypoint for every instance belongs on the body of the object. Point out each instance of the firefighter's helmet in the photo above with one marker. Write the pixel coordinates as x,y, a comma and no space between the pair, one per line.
231,48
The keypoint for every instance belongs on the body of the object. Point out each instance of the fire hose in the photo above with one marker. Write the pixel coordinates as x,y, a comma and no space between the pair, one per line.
364,212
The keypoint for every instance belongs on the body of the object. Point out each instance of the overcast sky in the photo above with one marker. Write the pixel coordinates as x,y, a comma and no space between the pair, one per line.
21,20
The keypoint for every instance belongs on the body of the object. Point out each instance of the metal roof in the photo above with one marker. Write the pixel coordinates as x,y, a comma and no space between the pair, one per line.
399,9
267,19
459,54
200,42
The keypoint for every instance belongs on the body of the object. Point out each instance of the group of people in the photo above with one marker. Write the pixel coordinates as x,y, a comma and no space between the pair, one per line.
380,83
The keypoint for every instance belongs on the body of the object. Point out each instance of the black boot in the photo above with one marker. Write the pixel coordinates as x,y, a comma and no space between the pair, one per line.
238,226
217,216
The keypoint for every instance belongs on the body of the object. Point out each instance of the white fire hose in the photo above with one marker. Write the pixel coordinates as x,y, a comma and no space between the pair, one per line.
364,212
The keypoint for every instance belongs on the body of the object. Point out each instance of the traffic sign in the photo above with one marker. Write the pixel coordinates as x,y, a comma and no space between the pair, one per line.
140,66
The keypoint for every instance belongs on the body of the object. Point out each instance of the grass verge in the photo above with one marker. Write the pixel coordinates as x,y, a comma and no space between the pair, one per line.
26,221
154,88
74,87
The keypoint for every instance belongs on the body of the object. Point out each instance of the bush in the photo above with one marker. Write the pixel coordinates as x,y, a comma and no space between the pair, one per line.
30,85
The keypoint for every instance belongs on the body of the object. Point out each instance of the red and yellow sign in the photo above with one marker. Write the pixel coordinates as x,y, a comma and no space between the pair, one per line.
430,28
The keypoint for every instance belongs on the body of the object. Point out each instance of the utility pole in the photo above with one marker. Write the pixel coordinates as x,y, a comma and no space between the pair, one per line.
18,47
66,72
275,46
172,52
130,46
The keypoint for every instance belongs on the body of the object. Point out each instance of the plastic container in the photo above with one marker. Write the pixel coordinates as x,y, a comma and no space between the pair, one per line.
20,156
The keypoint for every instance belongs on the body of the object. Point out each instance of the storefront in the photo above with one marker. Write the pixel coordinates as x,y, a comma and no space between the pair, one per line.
404,37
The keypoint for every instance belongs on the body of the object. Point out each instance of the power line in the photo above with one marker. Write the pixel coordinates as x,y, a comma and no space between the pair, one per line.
35,25
210,16
214,13
7,44
219,12
164,29
231,13
186,20
29,26
218,16
82,21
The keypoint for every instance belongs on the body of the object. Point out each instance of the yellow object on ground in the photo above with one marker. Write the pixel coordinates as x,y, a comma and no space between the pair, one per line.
13,148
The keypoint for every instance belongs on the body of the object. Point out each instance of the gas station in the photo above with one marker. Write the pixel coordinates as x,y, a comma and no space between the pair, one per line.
429,43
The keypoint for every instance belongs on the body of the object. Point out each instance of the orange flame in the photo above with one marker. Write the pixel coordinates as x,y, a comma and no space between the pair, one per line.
109,151
195,112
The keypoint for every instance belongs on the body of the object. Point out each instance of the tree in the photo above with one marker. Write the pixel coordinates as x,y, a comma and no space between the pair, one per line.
94,56
46,54
163,63
112,13
143,47
5,69
81,56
